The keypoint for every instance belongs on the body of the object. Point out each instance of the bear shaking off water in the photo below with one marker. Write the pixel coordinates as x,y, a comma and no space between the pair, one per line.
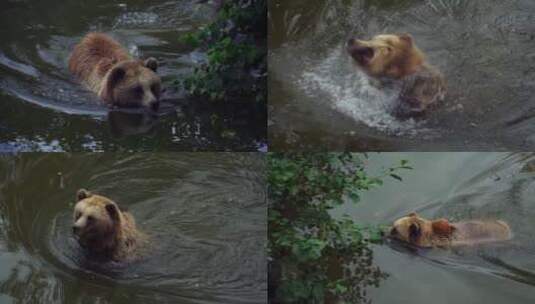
397,58
106,68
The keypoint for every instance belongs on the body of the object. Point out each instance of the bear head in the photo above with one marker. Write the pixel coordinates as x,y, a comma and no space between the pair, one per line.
96,221
133,83
393,55
421,232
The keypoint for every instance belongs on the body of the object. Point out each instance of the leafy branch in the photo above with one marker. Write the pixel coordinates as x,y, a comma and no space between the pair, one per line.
236,49
315,257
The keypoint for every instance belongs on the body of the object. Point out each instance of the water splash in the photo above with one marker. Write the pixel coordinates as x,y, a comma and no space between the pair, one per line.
350,92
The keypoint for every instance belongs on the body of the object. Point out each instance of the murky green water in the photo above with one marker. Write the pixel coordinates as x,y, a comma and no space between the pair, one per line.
456,186
205,215
43,108
319,101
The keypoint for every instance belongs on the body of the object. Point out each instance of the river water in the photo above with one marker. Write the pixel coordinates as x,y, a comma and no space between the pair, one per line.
320,101
204,213
42,108
457,186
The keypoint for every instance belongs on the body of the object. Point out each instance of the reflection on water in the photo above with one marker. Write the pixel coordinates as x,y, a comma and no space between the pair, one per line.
123,123
356,269
204,214
43,108
319,99
457,186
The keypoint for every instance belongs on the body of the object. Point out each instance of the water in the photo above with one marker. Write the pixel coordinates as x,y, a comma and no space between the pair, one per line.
456,186
205,215
43,108
320,101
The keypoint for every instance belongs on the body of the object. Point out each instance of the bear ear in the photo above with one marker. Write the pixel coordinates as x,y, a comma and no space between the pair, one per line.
442,227
406,37
112,211
82,194
413,214
151,63
114,77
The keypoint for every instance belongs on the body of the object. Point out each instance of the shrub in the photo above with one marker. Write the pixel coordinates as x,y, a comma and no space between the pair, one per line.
236,48
314,257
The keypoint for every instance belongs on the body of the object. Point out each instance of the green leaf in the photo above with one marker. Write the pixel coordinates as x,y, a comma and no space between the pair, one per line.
396,177
310,245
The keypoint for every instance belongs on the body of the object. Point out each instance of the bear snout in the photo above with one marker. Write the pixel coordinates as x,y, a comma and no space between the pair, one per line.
151,100
155,105
361,54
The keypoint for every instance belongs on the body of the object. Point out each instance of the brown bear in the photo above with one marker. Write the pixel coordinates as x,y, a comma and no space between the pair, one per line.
421,232
395,57
106,68
104,230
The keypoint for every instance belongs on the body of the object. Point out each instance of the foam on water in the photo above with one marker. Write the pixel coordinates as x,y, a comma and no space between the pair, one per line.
349,91
130,19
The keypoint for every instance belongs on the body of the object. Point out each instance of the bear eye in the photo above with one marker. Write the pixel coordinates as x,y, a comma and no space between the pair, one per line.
90,219
414,231
138,90
77,215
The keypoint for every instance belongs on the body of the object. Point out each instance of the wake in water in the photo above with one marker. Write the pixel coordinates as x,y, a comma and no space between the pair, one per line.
349,92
